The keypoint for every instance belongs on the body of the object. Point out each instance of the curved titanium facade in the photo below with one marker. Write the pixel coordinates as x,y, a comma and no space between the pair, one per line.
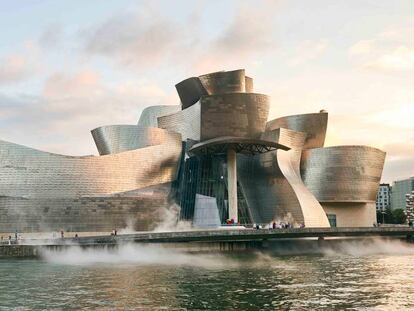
233,114
190,91
222,82
113,139
343,173
140,210
27,172
185,122
144,168
273,187
314,124
150,114
249,85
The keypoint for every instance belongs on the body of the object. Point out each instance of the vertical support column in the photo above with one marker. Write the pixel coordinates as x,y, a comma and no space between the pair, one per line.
232,184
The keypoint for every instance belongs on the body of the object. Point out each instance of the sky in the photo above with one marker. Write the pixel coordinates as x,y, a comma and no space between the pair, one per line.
67,67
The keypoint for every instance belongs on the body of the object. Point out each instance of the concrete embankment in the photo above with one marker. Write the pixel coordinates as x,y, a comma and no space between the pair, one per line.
205,240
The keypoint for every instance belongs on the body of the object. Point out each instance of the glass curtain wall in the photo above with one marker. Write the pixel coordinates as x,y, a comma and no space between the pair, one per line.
207,175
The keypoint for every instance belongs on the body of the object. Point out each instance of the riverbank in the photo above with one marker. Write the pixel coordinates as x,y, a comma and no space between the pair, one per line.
206,240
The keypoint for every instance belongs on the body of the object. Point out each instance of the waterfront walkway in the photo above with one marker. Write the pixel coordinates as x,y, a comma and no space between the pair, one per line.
234,235
228,239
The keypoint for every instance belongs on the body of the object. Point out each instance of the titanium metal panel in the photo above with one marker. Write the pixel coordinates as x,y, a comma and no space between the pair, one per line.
249,84
222,82
113,139
139,210
26,172
314,124
343,173
273,187
190,91
233,114
186,122
150,114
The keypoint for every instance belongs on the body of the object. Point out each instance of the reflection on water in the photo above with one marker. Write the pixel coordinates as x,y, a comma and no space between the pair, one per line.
352,276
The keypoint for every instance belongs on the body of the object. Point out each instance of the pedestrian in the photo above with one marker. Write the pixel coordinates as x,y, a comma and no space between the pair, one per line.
62,234
115,232
15,235
274,225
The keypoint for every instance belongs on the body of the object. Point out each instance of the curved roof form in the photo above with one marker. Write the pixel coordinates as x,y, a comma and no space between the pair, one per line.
314,124
25,172
233,114
222,82
186,122
343,173
150,114
239,144
192,89
113,139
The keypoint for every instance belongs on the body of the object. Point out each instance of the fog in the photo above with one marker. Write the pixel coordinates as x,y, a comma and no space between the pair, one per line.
142,254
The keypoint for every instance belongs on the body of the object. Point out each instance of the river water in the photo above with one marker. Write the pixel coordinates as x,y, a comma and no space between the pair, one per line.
373,275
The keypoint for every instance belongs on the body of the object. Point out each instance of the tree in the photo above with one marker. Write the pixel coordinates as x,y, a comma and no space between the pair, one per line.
387,217
399,216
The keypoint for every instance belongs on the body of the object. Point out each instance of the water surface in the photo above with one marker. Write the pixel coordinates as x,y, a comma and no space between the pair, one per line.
379,276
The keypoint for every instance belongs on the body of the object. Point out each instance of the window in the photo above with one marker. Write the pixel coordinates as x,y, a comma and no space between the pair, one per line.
332,219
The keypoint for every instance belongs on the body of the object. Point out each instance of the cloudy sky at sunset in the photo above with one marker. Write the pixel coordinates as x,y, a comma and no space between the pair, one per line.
67,67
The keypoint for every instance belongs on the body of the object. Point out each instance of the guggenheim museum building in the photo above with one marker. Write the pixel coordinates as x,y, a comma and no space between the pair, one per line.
214,157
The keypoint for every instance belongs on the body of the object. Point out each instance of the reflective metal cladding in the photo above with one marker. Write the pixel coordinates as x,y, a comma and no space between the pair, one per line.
27,172
313,124
149,116
343,173
233,114
214,156
112,139
272,185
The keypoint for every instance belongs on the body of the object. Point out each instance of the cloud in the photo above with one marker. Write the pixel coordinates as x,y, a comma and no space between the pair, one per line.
391,50
307,51
81,84
361,47
145,38
14,68
249,31
51,36
140,38
400,59
70,105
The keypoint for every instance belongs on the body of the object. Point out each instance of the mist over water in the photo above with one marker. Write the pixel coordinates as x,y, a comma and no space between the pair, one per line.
336,275
143,254
134,254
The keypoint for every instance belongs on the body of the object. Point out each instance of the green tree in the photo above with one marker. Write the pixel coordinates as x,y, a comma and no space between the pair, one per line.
399,216
387,217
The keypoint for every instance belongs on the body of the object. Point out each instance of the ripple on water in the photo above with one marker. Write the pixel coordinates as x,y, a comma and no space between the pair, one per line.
251,282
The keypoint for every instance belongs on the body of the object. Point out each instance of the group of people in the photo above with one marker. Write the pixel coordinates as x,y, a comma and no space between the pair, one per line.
231,222
17,237
275,225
